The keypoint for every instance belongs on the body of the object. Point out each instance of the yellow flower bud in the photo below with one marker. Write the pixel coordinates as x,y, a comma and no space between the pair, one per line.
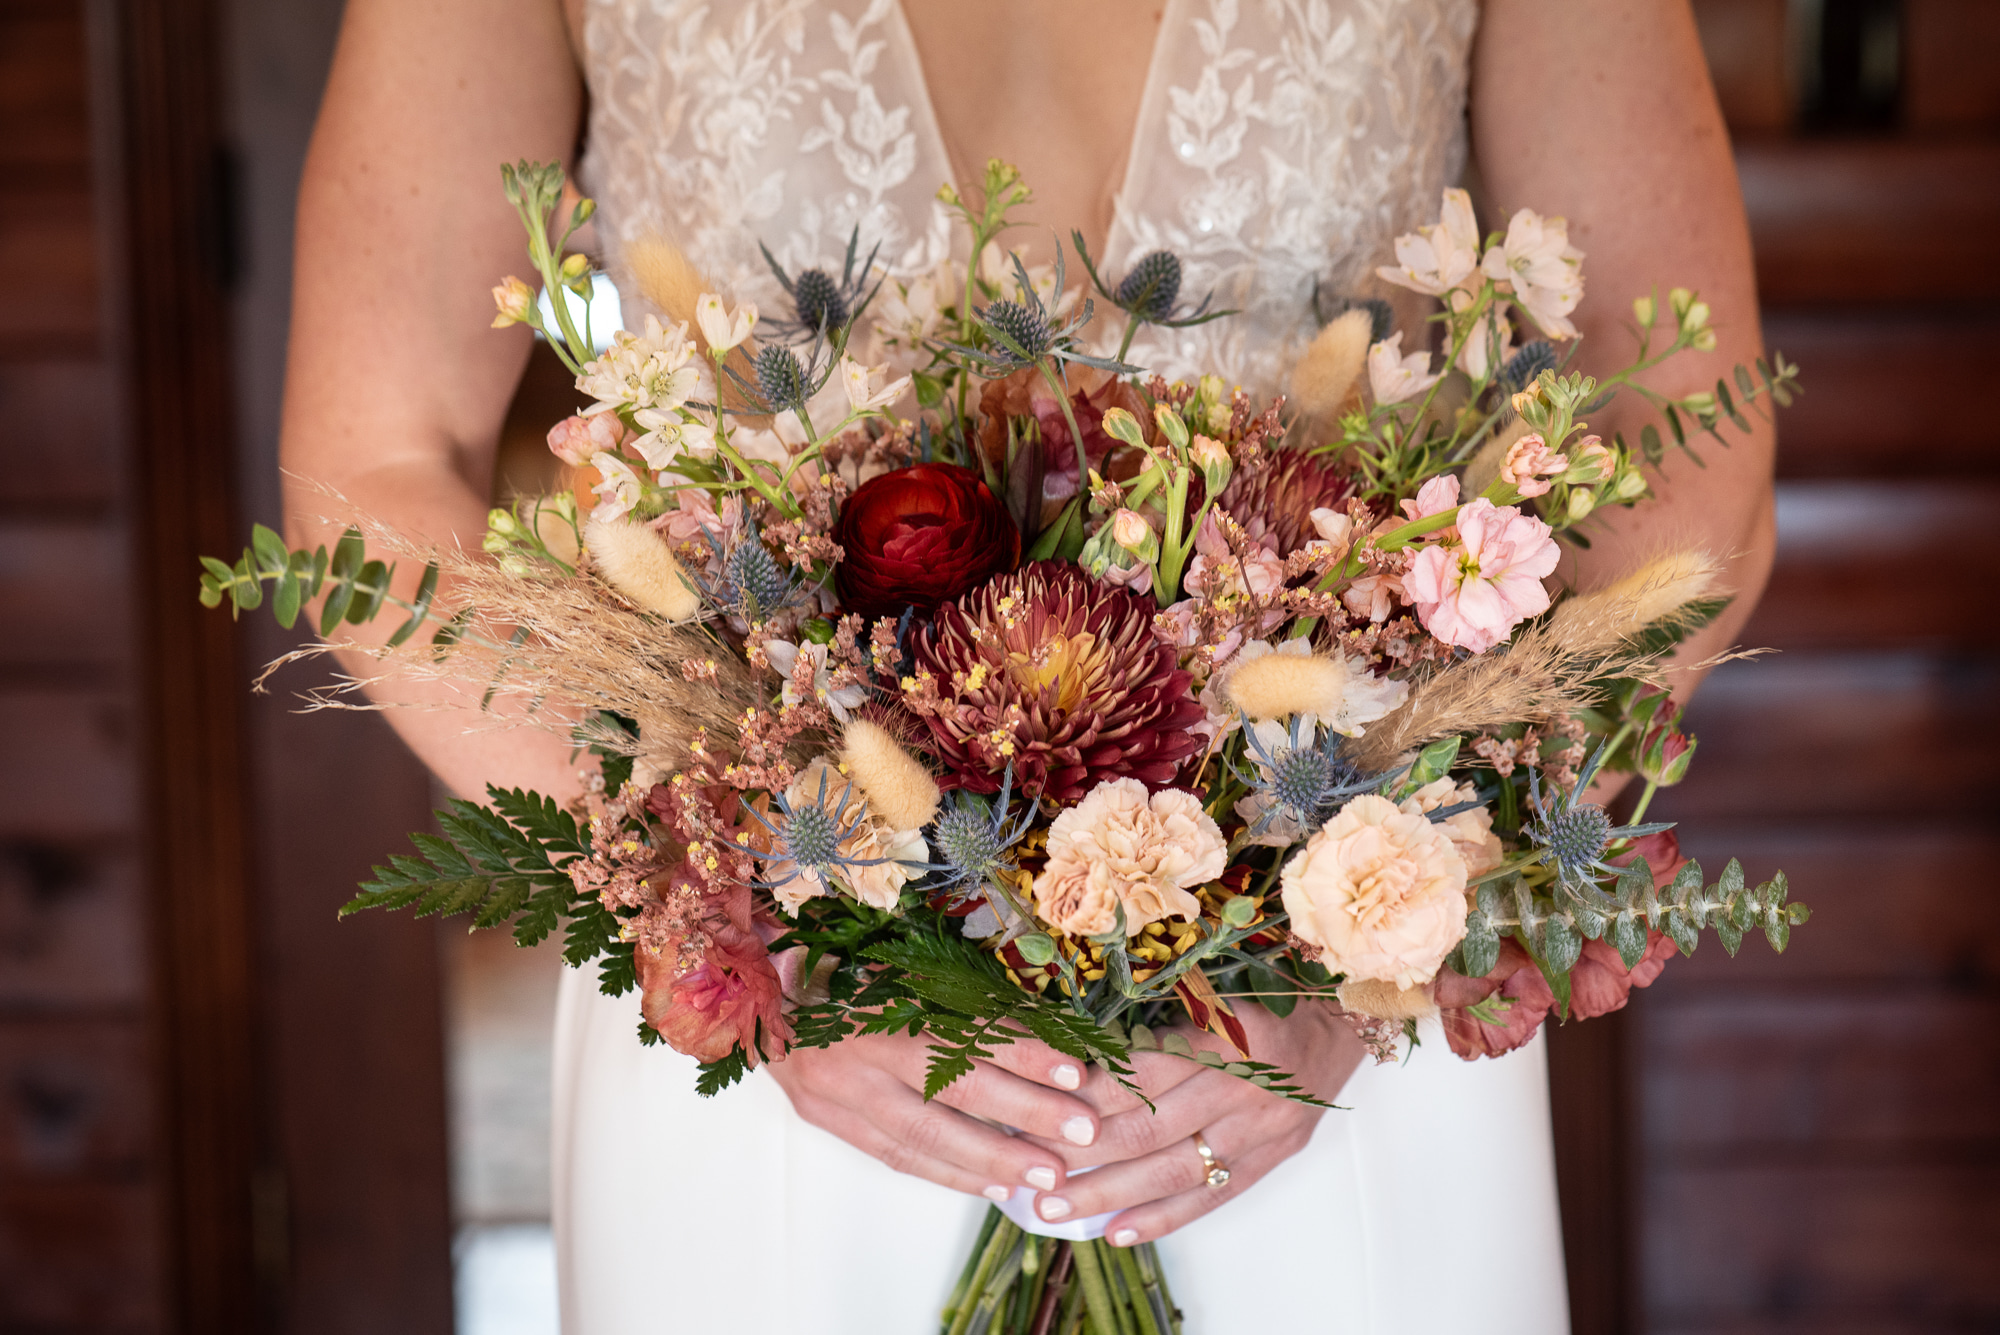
1643,310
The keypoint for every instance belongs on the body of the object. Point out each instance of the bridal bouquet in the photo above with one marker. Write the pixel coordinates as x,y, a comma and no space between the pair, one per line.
952,675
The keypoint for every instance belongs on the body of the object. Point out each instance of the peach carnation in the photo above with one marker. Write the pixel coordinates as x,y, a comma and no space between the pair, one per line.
1380,891
1470,832
1120,847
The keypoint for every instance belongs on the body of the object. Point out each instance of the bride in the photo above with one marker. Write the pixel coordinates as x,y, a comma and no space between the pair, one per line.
1278,146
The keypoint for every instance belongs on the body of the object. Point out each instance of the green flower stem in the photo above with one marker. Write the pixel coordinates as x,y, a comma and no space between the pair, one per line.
1135,1285
742,465
1645,800
1173,550
1069,417
1096,1293
1149,1261
964,1285
1132,323
1003,1237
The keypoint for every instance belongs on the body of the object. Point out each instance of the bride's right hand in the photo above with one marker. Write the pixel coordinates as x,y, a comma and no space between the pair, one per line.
868,1090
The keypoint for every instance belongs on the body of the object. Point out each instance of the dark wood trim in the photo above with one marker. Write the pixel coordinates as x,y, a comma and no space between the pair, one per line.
182,501
1590,1102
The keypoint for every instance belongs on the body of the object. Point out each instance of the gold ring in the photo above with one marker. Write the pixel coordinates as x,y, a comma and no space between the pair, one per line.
1216,1174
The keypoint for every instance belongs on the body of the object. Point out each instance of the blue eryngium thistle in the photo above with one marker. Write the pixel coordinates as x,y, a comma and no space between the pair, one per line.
1150,291
781,379
1152,288
809,836
1573,834
822,305
1522,368
974,841
1025,332
750,582
1304,777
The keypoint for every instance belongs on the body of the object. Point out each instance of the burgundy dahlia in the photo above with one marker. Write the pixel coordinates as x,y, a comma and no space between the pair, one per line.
1274,500
919,536
1059,675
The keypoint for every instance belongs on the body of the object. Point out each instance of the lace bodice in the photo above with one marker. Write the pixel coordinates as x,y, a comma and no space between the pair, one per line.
1280,147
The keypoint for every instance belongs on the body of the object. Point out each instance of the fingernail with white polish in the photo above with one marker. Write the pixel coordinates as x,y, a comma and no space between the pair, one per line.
1054,1207
1125,1237
1002,1194
1041,1179
1078,1130
1067,1076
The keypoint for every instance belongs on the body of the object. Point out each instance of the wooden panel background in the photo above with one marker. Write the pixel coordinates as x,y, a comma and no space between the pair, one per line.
1811,1141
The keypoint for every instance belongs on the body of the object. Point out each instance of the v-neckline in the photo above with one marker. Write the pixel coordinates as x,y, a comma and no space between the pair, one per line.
1169,14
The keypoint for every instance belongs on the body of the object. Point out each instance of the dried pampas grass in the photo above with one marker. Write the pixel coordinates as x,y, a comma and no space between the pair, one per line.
1549,671
581,646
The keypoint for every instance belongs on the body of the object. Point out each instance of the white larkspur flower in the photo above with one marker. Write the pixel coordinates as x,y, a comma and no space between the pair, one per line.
1394,377
1438,257
1545,270
653,370
864,390
841,702
721,328
619,490
1489,344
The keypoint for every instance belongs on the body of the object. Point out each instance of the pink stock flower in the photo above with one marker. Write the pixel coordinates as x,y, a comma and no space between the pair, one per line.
1529,464
1593,462
1433,498
1473,592
574,440
1439,256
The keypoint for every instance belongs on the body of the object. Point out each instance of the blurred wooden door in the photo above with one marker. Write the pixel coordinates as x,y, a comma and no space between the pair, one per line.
1812,1142
219,1111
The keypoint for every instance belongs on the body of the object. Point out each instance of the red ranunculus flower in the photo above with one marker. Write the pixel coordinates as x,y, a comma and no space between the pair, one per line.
921,536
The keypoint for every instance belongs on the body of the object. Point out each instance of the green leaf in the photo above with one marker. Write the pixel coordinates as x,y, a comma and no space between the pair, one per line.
286,598
617,970
1778,931
1561,946
1628,937
1434,761
719,1075
421,606
1650,446
273,556
1480,950
1275,992
1730,935
372,585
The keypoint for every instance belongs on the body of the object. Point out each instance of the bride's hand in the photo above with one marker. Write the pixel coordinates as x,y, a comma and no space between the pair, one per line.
1150,1168
868,1090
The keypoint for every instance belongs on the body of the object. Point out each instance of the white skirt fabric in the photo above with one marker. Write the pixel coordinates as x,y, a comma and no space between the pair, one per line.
1428,1204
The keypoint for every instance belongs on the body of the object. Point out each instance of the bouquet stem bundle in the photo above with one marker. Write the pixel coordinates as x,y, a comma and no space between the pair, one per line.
1015,1283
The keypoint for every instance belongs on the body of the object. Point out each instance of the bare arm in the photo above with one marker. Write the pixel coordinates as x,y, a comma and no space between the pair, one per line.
1602,111
395,387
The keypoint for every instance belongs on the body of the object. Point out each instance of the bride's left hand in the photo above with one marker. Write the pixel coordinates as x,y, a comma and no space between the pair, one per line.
1144,1161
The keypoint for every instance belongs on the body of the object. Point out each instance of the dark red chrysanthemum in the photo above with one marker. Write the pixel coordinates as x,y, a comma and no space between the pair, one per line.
1059,675
1274,501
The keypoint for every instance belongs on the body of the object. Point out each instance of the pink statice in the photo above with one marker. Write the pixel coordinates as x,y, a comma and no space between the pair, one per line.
1529,465
1473,591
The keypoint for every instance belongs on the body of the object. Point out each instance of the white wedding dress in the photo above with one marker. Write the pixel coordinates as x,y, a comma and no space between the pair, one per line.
1281,146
